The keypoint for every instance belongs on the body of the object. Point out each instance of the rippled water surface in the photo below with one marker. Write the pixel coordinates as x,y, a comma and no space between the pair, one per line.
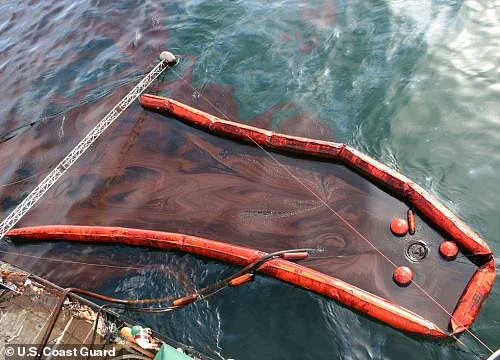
414,84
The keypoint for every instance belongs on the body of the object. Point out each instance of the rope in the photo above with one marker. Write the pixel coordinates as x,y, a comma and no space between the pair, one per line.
72,261
345,221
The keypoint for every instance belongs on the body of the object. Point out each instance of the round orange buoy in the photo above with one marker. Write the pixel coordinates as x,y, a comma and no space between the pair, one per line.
448,249
399,226
402,275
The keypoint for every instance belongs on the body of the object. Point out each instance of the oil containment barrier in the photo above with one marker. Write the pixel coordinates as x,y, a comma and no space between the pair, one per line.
414,283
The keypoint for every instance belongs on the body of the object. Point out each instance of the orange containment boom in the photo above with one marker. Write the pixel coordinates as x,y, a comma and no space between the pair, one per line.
279,268
371,168
471,245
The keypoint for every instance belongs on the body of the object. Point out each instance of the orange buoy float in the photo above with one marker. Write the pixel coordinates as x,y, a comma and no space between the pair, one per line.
240,280
295,256
402,275
411,222
399,226
185,300
448,249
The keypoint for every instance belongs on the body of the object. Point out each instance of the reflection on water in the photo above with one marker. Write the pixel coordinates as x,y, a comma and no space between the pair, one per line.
413,84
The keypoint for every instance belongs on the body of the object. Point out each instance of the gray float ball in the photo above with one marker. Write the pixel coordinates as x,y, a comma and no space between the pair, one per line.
168,57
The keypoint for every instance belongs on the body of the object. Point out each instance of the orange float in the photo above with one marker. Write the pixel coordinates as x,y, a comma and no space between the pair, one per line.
448,249
403,275
399,226
412,227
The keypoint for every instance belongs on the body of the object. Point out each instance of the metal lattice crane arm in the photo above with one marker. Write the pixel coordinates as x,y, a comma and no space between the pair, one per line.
13,218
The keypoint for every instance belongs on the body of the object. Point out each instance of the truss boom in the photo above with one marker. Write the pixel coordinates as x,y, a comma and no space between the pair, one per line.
13,218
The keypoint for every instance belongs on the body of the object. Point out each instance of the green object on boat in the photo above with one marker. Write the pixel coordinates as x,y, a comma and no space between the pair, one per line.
135,330
167,352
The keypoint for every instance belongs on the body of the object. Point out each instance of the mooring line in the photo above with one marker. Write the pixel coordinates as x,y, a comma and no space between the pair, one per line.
72,261
36,194
346,222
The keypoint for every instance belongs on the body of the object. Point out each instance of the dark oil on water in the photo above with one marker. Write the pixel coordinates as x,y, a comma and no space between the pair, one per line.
413,84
